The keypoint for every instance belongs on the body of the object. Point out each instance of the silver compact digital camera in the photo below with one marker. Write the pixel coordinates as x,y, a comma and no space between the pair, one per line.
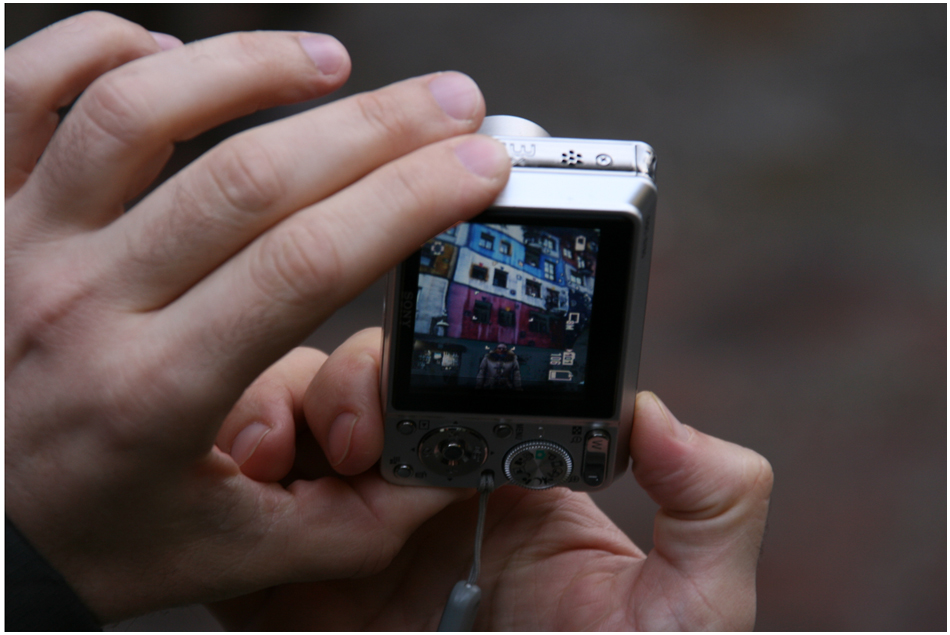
512,341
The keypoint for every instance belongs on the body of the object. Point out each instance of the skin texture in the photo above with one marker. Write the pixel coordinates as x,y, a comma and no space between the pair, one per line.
551,559
165,443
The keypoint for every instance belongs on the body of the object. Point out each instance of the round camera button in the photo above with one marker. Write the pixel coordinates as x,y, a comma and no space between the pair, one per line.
502,430
406,426
453,451
403,471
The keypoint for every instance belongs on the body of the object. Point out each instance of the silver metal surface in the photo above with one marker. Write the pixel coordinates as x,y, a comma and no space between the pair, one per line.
508,126
580,154
550,174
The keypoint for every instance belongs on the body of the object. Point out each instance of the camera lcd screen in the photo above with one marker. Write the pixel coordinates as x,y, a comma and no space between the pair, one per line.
516,315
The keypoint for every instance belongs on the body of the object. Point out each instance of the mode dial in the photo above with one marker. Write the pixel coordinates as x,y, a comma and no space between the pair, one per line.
538,464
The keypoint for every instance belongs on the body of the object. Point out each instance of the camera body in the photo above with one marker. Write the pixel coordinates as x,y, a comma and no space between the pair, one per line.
512,341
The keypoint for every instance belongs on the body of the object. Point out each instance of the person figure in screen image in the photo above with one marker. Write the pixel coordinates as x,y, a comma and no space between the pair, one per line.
499,369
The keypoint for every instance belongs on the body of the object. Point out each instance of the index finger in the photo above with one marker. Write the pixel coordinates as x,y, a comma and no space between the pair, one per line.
212,209
283,285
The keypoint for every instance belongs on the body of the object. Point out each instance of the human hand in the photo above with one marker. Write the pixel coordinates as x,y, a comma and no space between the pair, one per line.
130,336
551,560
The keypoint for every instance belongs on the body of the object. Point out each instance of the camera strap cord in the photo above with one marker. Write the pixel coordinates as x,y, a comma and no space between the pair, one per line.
460,611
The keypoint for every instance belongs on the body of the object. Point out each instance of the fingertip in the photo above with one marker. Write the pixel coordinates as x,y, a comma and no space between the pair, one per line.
458,96
484,157
263,439
342,405
165,41
272,455
327,53
339,439
260,431
354,442
247,441
691,474
655,429
660,447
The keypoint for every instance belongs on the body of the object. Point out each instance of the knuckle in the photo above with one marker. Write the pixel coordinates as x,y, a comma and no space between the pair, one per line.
148,381
113,107
305,356
51,299
114,34
256,47
92,19
387,115
246,177
247,48
296,264
273,59
117,401
89,20
101,40
410,188
347,369
17,86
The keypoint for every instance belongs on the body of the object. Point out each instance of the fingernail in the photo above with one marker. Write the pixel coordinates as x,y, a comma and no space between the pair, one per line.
247,441
457,94
166,41
676,428
325,51
341,432
483,156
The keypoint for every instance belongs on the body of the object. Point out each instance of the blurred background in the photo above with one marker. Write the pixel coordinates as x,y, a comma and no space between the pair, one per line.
798,295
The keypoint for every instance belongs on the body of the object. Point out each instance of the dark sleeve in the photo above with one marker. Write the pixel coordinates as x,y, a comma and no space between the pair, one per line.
37,596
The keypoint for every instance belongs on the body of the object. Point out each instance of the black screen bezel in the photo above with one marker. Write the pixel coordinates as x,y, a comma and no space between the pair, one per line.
599,399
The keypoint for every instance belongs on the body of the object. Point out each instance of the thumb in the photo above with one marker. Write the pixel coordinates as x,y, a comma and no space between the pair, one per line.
713,497
260,431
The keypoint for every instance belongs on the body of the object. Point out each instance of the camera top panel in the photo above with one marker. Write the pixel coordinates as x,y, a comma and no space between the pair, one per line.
581,154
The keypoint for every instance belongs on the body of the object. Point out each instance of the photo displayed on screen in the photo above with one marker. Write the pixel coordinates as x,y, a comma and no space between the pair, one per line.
505,308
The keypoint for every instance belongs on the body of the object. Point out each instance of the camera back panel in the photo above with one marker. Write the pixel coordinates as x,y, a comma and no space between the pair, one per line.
512,341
